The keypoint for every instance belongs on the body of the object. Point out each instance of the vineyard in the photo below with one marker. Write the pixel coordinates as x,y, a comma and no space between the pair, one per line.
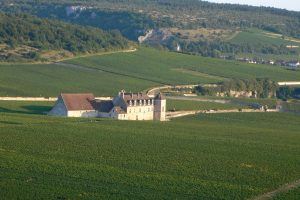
200,157
135,71
178,105
174,68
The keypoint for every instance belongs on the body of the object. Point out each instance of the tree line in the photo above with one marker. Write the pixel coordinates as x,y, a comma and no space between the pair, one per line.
262,87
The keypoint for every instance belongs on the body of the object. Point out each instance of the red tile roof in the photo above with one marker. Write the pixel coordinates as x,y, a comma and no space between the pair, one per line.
76,102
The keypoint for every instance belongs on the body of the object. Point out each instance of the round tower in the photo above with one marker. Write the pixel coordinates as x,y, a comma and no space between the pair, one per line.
159,107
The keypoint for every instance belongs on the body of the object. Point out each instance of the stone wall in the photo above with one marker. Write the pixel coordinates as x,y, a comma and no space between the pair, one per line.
83,113
140,112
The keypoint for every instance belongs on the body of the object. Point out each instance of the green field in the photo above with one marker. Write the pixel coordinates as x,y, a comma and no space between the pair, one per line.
199,157
25,107
291,195
135,71
173,68
198,105
51,80
271,103
260,37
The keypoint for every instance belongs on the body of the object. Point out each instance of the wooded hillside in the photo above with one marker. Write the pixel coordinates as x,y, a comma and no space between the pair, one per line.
33,35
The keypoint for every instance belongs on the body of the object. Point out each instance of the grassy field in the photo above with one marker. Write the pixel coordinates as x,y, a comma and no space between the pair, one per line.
25,107
293,106
260,37
135,71
291,195
199,157
198,105
271,103
171,68
51,80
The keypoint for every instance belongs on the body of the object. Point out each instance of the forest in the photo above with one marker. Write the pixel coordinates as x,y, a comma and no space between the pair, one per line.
38,34
184,14
133,18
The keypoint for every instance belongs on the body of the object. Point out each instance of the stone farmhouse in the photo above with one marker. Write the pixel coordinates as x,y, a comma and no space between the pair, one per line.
125,106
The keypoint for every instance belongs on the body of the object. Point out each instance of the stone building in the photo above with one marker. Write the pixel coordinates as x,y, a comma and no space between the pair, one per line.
125,106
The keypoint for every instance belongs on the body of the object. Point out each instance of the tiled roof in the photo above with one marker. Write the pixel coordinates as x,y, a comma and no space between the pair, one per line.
74,102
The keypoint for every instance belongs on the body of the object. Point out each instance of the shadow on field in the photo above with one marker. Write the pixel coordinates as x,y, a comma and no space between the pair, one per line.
28,109
10,123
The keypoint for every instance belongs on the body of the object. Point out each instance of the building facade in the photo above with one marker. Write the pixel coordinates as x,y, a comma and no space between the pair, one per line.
125,106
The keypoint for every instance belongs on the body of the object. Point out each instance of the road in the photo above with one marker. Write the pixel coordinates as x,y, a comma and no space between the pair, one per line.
171,115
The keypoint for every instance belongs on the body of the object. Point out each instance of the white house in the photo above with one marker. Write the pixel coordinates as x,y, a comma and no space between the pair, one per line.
294,64
125,106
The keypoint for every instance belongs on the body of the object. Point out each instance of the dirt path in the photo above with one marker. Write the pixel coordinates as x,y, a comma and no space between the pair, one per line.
283,189
198,99
171,115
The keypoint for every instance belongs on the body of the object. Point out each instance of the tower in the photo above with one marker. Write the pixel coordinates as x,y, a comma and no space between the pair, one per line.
159,107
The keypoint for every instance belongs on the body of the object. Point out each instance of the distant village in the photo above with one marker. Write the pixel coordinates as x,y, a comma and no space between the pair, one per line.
293,64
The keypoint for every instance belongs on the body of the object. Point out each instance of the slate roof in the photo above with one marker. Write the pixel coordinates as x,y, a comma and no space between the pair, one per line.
75,102
131,97
119,110
104,106
160,96
135,96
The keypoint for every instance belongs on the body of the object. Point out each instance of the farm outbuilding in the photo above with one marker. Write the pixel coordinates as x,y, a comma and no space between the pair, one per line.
75,105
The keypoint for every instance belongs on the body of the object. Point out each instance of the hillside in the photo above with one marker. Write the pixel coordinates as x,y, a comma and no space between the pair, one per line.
134,71
25,37
133,18
226,156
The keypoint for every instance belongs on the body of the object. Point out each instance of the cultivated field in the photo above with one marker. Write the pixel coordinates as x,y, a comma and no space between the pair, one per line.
133,71
25,107
199,157
291,195
186,105
170,68
259,37
50,80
